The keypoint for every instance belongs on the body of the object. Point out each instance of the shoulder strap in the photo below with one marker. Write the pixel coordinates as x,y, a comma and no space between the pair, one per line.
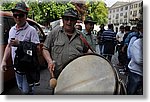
85,42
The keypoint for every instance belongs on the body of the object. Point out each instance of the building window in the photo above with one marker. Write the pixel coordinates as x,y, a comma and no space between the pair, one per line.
139,4
121,9
113,16
126,8
135,13
113,10
135,5
130,12
117,16
118,10
131,6
140,11
121,14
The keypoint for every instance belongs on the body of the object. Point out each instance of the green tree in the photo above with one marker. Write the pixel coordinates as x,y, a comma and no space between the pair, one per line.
6,5
98,11
45,12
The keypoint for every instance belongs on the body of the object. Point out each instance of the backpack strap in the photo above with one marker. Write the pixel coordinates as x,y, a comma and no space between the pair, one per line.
86,43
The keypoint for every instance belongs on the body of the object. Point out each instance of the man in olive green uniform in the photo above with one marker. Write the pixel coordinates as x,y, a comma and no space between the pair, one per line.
63,43
88,32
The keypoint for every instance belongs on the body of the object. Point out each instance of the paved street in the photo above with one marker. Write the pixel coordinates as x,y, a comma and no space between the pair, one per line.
44,88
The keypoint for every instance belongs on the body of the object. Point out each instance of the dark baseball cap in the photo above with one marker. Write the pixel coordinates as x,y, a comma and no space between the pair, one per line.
21,6
71,13
89,19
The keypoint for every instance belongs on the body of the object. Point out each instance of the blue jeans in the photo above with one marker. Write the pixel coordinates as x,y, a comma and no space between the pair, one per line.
23,84
135,82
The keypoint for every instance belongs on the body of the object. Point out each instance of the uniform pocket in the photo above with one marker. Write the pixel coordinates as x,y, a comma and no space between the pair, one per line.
57,51
58,47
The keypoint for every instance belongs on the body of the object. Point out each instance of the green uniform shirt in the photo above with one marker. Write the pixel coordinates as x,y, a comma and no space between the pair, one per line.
61,48
91,39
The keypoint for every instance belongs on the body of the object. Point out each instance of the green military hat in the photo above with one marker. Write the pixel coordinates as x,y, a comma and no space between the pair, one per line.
71,13
89,19
21,6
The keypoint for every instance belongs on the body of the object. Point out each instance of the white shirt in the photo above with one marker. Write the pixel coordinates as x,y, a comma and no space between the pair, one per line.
26,33
119,36
129,50
136,63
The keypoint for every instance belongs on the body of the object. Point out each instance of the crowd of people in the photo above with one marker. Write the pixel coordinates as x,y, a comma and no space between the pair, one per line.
64,43
128,44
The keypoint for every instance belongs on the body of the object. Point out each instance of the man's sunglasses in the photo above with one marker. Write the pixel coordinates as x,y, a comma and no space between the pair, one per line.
69,18
19,15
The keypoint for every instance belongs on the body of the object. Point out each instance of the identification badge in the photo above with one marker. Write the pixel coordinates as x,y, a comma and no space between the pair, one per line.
29,52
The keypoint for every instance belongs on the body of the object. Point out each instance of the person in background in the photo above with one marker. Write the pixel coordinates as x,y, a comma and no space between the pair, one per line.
102,29
135,74
130,39
63,43
88,32
109,42
124,58
120,34
22,31
119,38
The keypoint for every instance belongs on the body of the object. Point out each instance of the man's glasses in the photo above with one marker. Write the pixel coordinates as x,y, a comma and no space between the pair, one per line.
69,18
19,15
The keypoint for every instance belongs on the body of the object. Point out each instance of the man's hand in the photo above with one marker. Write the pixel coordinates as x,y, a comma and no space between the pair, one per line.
14,42
3,66
51,66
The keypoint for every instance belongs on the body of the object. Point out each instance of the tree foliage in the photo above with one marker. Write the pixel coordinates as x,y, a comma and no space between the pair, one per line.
98,11
48,11
7,5
45,12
